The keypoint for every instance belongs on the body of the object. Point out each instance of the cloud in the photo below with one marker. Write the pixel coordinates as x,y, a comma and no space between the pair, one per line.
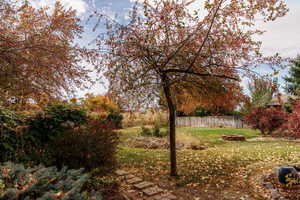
196,5
283,35
79,5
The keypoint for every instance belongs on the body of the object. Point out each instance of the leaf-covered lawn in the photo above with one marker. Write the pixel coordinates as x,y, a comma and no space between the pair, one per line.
225,167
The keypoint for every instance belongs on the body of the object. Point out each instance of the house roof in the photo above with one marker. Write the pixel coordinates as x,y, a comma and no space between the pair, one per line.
280,98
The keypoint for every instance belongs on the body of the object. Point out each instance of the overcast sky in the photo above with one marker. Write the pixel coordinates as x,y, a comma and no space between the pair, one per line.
282,36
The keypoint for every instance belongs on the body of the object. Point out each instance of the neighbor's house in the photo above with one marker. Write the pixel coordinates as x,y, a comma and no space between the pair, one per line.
279,99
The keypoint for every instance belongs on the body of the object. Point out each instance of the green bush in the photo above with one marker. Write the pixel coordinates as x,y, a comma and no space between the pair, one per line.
155,131
202,113
108,185
146,131
49,125
11,127
115,119
91,146
29,139
98,182
7,132
61,135
18,182
52,122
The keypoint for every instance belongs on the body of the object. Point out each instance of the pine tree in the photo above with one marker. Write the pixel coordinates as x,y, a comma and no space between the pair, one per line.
293,78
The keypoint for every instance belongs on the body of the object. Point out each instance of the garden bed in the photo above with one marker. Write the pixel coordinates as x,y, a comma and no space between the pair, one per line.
160,143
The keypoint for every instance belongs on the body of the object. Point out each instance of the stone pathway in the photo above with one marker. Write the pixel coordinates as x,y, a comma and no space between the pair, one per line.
148,190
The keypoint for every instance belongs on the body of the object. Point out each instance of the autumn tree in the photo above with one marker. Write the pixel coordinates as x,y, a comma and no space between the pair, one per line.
218,97
38,53
165,45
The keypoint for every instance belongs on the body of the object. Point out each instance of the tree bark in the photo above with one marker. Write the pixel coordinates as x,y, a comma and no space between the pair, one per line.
172,128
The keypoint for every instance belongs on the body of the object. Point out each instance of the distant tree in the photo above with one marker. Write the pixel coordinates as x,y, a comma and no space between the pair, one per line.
261,92
165,47
38,53
102,108
293,78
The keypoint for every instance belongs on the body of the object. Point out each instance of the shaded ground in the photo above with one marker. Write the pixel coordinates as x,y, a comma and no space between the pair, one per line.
226,170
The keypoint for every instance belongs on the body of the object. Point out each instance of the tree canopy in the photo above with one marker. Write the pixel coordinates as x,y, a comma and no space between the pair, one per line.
168,39
38,53
164,45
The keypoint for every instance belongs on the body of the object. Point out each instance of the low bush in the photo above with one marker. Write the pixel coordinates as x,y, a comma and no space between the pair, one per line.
266,120
108,185
158,132
115,119
18,182
91,146
145,131
293,123
154,131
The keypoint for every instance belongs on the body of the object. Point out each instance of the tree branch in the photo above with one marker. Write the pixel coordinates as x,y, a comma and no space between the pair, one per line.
199,74
206,37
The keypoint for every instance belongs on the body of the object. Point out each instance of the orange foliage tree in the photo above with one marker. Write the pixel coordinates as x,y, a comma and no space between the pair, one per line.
218,97
165,45
103,108
37,51
99,107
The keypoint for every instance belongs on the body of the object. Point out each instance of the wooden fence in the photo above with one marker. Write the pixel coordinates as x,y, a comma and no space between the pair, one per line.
211,121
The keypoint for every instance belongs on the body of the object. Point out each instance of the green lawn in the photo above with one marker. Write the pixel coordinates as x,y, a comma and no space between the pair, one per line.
211,136
223,167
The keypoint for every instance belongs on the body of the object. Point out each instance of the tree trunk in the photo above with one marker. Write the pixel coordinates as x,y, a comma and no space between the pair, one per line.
172,127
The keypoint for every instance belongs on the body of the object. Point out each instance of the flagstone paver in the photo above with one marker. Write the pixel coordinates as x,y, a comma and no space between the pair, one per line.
121,172
143,185
140,187
134,180
152,191
129,176
166,196
162,198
